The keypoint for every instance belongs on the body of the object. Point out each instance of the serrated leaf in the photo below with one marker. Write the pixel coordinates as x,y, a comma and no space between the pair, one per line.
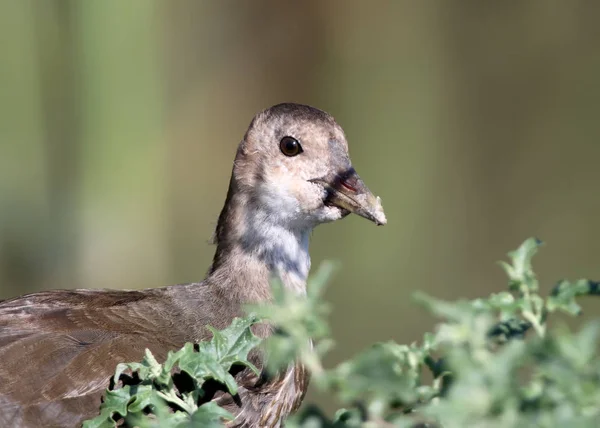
103,420
384,373
232,345
173,357
319,279
508,269
521,257
214,358
142,396
520,272
348,418
300,321
117,400
453,311
114,402
564,296
429,341
154,367
210,415
140,368
501,300
204,365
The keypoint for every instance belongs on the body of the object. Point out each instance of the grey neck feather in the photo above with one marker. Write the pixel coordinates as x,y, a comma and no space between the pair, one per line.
253,246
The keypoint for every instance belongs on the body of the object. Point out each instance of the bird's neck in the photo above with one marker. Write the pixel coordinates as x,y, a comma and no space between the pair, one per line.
253,247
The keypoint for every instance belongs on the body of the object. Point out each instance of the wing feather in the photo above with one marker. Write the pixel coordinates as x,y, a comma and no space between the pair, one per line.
59,349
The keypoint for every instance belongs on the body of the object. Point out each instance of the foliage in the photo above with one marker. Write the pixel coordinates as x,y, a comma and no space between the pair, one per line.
491,362
163,390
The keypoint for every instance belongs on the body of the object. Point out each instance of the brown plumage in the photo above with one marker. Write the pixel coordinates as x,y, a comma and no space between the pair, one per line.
58,349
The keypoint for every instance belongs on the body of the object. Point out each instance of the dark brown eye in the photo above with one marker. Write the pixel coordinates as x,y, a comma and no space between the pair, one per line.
289,146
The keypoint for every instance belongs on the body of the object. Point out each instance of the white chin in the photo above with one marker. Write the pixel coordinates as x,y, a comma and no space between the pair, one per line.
328,214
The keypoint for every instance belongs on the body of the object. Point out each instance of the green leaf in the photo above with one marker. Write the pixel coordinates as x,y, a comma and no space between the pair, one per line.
454,311
142,396
214,358
520,271
564,296
318,281
210,415
521,257
384,373
299,320
204,365
232,345
141,368
115,402
103,420
348,417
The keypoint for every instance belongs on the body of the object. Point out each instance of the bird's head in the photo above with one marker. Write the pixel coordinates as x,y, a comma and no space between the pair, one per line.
294,165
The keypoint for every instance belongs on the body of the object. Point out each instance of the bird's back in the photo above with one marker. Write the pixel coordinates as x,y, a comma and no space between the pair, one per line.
58,350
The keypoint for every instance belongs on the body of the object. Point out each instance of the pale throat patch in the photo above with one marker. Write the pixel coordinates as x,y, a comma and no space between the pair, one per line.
284,251
293,264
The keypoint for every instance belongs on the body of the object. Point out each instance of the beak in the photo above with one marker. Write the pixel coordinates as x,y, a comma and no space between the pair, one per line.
348,192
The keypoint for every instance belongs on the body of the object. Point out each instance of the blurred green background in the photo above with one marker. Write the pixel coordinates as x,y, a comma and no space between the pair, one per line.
476,122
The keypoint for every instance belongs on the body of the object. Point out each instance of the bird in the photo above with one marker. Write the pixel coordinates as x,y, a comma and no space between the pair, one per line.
58,349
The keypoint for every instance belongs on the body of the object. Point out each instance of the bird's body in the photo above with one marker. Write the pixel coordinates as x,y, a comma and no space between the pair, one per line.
58,349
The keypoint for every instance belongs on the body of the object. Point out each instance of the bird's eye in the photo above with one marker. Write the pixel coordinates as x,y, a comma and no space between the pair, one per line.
289,146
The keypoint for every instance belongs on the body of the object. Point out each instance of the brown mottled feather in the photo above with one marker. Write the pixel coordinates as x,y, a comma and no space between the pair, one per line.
59,348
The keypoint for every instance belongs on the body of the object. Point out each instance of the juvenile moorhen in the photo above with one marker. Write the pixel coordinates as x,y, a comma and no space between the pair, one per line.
58,349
